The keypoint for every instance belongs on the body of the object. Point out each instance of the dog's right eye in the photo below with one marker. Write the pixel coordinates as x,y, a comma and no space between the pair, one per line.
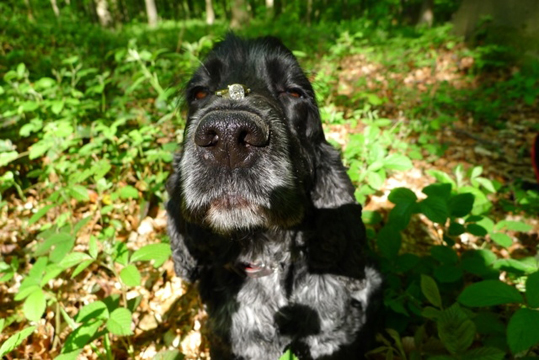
199,94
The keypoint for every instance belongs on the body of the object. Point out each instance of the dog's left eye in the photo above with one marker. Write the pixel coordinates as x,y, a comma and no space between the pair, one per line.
295,93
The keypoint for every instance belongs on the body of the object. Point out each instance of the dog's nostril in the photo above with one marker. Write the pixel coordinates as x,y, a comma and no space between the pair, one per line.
206,138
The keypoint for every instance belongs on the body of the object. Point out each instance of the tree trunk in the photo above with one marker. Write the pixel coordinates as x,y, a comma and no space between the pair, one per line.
151,11
103,13
29,10
269,8
55,8
309,11
210,14
426,15
240,16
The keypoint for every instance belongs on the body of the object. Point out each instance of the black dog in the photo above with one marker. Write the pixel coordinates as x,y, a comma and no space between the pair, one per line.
262,213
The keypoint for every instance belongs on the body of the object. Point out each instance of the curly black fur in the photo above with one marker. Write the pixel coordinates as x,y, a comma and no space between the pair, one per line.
262,214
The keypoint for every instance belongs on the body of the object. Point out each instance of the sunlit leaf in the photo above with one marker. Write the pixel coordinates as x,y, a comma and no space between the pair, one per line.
489,293
119,322
15,340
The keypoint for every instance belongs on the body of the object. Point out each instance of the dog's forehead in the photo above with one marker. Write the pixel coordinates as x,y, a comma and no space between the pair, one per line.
250,62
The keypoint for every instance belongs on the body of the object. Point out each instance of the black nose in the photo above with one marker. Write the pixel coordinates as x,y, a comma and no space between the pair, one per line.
231,138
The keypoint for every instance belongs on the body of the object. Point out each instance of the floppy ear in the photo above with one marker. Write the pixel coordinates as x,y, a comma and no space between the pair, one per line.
185,265
338,240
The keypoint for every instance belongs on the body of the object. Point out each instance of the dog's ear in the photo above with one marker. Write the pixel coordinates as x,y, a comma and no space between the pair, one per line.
185,264
338,240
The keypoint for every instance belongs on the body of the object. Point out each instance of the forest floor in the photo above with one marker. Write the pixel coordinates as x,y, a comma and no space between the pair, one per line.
170,314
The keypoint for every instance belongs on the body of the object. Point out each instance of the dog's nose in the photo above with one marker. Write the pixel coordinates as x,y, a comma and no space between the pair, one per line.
231,138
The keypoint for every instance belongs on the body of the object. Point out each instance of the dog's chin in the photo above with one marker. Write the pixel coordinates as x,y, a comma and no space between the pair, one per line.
233,213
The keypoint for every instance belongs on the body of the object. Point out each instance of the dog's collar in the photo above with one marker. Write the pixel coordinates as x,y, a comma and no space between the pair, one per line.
234,92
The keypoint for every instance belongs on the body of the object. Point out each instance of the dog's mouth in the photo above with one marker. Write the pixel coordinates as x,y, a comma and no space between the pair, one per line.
257,269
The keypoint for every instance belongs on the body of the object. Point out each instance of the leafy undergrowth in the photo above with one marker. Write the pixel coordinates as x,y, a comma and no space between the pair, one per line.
438,159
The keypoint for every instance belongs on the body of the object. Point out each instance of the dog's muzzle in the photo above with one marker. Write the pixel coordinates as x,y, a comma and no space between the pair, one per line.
231,138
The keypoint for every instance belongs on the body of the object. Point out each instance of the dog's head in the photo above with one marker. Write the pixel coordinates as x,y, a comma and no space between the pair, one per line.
252,140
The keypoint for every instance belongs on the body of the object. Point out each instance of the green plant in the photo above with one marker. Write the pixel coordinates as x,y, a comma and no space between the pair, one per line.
368,154
412,279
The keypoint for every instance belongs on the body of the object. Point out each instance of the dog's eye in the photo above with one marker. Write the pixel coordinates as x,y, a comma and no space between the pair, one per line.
200,94
296,93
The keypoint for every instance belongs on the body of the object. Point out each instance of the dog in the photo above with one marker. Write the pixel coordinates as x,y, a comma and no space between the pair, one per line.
262,214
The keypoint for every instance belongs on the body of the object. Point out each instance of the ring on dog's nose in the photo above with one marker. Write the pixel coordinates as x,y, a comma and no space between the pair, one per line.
234,92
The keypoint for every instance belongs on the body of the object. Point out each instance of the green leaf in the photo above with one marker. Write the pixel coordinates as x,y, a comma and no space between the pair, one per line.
522,330
487,322
15,340
57,106
476,171
83,265
44,83
478,262
130,275
371,217
288,355
35,305
487,184
440,190
431,313
448,273
513,226
513,266
40,213
456,229
489,293
73,355
502,239
128,192
442,177
444,254
389,241
94,310
7,157
532,290
92,247
51,272
402,195
486,223
455,330
375,179
397,162
476,230
121,254
40,148
73,259
430,290
484,353
435,208
81,336
401,214
169,355
101,168
29,106
119,322
78,192
461,205
159,253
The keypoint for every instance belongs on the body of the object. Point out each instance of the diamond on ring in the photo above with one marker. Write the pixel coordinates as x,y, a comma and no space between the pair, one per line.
234,92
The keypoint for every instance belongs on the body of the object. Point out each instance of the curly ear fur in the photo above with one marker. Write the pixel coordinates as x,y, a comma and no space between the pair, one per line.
185,264
337,241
